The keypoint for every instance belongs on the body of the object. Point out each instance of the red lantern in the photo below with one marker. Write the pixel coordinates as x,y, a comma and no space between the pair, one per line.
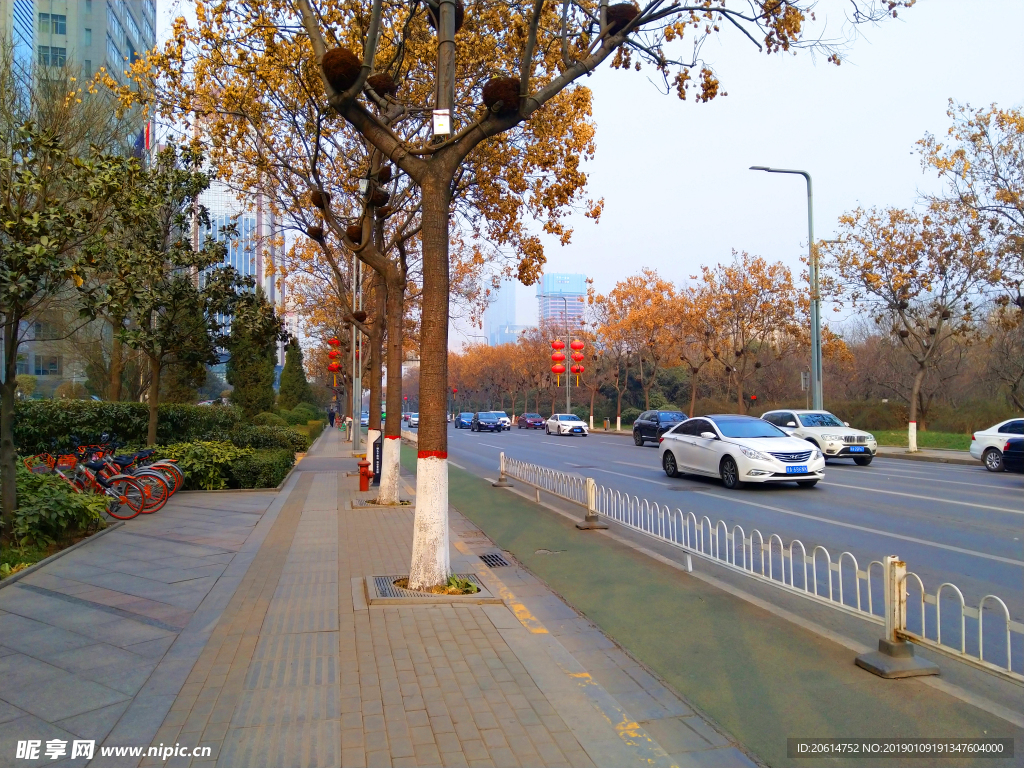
333,342
558,369
333,354
577,356
334,367
575,369
558,357
556,344
576,344
455,390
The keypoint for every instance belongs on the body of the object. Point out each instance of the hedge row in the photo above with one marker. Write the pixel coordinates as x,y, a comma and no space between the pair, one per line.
38,422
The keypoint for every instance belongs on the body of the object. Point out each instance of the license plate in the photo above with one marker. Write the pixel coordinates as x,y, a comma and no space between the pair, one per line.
801,470
577,429
857,449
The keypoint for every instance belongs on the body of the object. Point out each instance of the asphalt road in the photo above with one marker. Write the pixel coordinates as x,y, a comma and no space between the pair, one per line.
950,523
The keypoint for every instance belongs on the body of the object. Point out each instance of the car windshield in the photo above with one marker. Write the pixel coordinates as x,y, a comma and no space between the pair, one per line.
466,415
488,417
820,420
531,416
670,416
567,417
749,427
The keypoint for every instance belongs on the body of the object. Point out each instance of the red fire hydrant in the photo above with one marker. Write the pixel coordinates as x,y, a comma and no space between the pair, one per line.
365,473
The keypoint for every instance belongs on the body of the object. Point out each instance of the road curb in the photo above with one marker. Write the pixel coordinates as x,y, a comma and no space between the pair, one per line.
904,456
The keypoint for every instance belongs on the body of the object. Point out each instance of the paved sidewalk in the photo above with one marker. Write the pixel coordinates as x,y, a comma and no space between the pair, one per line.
238,623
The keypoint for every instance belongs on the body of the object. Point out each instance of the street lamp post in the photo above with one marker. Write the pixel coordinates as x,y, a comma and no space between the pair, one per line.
568,407
357,382
816,390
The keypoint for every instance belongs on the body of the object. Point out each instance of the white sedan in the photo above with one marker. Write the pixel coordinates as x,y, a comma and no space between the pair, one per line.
566,424
740,449
987,444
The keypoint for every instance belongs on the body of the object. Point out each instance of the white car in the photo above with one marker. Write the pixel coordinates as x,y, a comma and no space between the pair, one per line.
833,437
506,422
987,445
739,449
566,424
414,420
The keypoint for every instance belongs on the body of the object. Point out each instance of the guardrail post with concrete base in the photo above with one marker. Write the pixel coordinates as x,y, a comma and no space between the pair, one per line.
591,522
895,656
502,480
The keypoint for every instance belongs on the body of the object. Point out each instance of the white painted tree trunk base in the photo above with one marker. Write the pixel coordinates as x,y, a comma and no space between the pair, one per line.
618,423
389,471
912,437
430,559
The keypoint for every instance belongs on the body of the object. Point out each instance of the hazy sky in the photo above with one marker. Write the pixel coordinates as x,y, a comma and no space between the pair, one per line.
674,174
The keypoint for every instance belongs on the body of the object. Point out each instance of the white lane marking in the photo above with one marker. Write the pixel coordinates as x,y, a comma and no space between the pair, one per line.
456,465
928,498
489,445
630,464
997,558
932,480
634,477
560,445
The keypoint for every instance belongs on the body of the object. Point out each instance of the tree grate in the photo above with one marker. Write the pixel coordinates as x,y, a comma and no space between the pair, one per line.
386,586
494,561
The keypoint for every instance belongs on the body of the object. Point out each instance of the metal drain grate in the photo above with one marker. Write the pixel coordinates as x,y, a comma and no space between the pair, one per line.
386,586
494,561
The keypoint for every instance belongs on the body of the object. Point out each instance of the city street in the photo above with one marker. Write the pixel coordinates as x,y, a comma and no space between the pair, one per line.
950,523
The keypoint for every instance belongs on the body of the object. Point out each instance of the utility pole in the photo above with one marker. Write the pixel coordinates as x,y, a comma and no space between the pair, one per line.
357,383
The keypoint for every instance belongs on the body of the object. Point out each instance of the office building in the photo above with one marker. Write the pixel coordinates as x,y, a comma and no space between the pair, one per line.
500,316
91,33
561,298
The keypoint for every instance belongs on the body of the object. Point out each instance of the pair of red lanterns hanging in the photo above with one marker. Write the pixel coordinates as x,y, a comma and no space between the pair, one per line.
558,357
334,366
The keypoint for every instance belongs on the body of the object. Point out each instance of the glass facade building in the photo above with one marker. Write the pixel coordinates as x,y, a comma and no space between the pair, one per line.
550,292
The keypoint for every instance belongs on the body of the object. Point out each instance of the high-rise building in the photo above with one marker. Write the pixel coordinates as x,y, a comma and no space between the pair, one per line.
500,317
561,298
91,33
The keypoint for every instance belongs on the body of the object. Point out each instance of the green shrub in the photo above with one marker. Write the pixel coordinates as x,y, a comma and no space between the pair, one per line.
265,468
269,420
268,437
296,417
307,408
50,511
316,428
205,464
38,422
629,415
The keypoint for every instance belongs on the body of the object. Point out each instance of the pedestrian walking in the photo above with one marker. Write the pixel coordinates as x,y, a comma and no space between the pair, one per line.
330,416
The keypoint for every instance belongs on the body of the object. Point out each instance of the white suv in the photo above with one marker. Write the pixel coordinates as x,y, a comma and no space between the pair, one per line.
835,438
506,422
987,445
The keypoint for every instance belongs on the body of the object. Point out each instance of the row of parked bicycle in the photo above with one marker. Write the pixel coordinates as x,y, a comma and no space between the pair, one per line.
133,484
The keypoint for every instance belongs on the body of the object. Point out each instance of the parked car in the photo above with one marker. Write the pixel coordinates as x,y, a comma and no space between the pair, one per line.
740,449
832,436
1013,455
650,425
414,420
464,421
566,424
506,422
530,421
987,445
364,419
486,421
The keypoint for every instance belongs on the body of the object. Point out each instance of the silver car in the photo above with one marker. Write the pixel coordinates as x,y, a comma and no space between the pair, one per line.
834,438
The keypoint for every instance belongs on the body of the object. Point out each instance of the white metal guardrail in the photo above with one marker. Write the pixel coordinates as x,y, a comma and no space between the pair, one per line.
942,621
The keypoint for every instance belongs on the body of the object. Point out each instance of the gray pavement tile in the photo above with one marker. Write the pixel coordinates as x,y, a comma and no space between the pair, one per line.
281,706
140,721
729,757
24,728
15,625
48,643
92,656
298,746
96,724
56,697
18,669
151,648
10,712
4,650
642,706
126,679
173,575
122,632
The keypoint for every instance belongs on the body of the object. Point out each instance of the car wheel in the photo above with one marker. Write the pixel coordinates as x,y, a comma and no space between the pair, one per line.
806,483
668,463
637,439
862,461
993,460
547,431
730,473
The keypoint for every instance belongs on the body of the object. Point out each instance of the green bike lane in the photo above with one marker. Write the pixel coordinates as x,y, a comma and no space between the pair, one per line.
761,677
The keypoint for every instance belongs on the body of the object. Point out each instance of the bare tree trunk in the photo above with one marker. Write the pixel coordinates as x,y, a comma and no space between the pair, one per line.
8,454
430,558
693,390
376,341
593,394
391,456
154,399
912,426
116,361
